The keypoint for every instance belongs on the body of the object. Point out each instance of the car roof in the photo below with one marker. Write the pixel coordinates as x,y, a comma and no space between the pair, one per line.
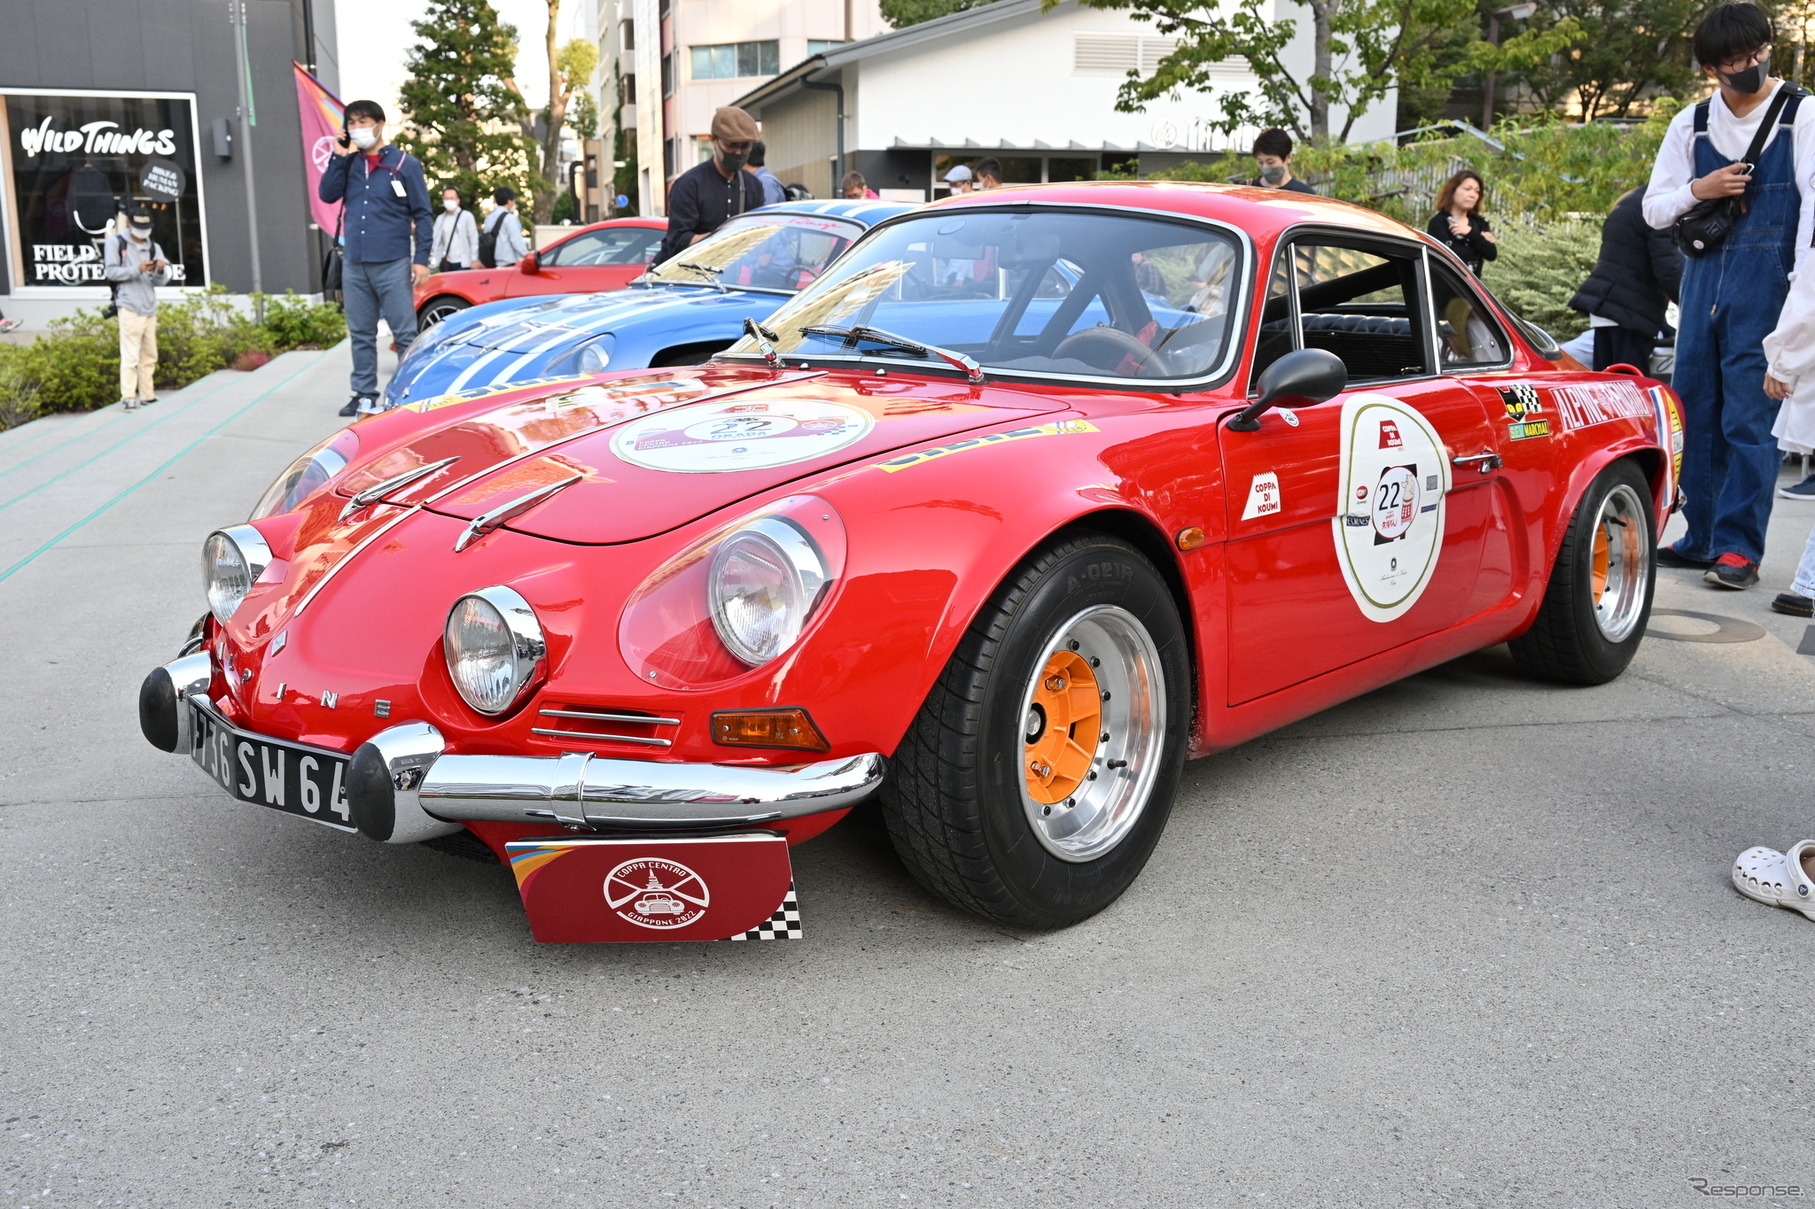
867,212
1259,211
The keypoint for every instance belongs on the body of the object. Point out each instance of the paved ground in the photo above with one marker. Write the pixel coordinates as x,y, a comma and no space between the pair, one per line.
1466,941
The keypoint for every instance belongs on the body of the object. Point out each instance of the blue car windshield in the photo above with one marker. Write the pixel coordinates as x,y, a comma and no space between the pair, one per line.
1071,293
760,251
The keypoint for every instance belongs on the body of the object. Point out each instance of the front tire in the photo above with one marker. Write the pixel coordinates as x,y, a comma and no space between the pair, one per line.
1039,772
1599,598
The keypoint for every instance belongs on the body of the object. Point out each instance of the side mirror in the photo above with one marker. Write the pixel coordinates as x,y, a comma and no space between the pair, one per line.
529,264
1309,375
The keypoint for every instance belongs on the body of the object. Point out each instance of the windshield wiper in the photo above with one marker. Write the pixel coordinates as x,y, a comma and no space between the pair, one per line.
706,271
857,333
763,337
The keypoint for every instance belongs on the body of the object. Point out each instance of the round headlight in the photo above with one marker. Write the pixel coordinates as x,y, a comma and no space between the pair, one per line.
595,357
494,648
307,475
232,561
765,580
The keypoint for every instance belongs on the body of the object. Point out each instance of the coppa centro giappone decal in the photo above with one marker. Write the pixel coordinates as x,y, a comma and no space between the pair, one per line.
1389,514
746,434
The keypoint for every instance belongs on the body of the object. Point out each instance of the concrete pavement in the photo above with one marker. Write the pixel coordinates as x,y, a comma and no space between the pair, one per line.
1468,940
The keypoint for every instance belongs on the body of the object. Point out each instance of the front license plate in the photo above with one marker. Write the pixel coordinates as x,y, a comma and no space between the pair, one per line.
291,777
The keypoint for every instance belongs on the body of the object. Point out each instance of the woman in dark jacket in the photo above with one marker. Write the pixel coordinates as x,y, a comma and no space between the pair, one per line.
1458,224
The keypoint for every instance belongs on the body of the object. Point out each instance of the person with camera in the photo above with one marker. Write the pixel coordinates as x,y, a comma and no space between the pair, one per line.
1732,183
387,208
135,266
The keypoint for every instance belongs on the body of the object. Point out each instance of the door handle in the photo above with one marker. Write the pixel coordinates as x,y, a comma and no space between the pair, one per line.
1487,461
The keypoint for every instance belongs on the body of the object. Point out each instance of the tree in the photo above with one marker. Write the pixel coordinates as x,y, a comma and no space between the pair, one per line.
462,109
1360,50
570,66
1630,50
902,13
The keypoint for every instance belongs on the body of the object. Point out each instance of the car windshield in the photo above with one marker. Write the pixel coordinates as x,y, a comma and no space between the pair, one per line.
760,251
1049,292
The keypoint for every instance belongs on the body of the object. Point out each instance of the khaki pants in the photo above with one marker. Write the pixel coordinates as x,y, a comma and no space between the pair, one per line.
138,355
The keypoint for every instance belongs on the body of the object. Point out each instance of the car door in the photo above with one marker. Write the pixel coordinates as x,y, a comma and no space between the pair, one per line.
1358,524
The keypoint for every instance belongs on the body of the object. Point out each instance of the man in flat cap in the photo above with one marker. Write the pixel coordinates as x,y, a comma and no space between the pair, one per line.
704,196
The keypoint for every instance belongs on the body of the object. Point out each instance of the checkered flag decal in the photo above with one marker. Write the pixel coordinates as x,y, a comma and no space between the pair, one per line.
783,925
1520,400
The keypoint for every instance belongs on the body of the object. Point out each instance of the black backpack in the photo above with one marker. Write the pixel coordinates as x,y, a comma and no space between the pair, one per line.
488,239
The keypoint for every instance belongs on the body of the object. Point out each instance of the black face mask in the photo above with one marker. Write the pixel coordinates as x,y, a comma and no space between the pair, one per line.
731,162
1749,81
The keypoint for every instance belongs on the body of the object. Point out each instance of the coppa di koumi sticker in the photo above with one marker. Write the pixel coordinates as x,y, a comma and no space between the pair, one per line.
1263,496
749,434
1389,524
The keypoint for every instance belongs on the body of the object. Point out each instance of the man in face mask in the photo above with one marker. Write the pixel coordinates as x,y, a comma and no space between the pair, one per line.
136,266
1734,295
704,196
387,234
1273,158
456,241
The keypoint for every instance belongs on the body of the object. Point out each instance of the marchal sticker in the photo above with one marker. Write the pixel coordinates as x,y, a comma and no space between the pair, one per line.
746,434
1389,524
655,893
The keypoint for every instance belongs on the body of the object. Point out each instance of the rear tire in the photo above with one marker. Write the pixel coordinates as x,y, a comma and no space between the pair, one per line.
438,308
1039,773
1599,598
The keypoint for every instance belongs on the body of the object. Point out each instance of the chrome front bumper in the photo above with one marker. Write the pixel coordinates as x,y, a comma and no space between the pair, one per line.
402,787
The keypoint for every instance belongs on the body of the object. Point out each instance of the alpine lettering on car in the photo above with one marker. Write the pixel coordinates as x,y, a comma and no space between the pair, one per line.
486,392
1056,428
1585,404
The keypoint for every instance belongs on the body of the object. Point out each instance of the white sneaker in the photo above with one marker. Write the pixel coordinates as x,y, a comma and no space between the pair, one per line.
130,404
7,325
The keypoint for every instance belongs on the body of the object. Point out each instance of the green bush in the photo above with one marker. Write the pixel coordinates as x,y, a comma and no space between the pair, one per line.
1541,266
76,365
295,322
19,390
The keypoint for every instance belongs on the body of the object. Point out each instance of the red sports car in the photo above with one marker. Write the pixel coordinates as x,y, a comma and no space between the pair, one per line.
1031,496
607,255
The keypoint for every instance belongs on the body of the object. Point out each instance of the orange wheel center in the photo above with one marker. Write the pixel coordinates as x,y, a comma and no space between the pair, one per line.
1067,711
1602,556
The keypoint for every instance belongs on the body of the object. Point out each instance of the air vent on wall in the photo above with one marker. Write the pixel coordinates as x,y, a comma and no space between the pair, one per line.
1117,54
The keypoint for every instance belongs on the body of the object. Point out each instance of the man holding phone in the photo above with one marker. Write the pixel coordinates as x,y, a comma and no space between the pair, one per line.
136,266
1753,140
386,207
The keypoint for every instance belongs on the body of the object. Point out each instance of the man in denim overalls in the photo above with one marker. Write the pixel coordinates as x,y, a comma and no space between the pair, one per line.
1731,297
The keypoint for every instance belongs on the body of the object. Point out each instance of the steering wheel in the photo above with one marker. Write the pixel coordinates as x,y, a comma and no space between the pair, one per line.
1111,340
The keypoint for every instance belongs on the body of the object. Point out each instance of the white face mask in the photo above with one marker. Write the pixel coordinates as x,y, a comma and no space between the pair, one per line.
363,136
450,204
137,234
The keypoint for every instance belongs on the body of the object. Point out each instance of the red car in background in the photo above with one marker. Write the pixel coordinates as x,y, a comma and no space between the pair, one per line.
606,255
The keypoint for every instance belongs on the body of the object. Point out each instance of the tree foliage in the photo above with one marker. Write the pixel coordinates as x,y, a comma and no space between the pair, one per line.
902,13
463,110
1360,50
570,68
1628,52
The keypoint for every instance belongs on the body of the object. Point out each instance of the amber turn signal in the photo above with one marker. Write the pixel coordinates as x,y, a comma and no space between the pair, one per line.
767,728
1190,538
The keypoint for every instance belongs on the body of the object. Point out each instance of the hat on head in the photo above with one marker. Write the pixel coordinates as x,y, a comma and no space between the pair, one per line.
960,173
503,193
139,217
733,125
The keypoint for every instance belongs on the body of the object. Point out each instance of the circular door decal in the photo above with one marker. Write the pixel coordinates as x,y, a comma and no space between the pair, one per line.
1389,523
739,435
654,893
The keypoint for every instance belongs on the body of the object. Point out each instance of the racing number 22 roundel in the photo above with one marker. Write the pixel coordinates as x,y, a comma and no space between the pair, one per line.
1389,518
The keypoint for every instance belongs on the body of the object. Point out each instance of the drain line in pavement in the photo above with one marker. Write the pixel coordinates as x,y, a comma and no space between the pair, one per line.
174,458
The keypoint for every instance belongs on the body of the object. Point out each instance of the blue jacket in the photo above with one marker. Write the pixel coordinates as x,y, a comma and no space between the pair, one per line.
378,222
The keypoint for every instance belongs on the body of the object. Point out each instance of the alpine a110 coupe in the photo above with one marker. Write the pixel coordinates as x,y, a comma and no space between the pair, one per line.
1024,500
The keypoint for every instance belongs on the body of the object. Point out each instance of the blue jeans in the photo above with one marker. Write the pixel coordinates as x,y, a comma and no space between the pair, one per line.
380,288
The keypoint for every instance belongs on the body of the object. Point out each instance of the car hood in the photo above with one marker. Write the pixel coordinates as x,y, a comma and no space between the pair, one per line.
650,451
573,318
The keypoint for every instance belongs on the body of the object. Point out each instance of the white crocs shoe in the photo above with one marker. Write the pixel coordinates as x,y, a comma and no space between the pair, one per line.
1779,879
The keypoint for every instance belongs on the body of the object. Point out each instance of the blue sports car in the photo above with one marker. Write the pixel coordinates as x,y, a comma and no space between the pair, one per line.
679,313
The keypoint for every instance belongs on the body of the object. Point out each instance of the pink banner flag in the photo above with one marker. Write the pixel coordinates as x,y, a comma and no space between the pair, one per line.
321,113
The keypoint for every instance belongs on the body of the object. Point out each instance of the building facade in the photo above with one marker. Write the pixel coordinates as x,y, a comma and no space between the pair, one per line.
665,65
108,102
1033,87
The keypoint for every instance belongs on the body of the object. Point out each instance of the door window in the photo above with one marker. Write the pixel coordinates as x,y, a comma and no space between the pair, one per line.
614,245
1468,338
1363,304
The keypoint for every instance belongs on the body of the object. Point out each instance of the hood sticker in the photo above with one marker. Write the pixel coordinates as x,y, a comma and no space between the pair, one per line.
740,434
1056,428
1390,504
